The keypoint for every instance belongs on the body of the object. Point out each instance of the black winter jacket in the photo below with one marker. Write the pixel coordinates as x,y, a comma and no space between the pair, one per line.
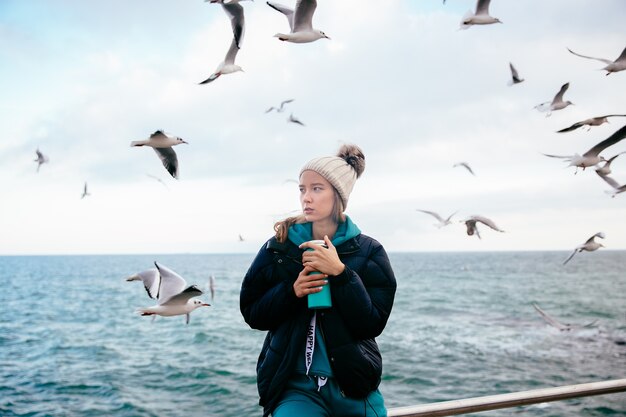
362,298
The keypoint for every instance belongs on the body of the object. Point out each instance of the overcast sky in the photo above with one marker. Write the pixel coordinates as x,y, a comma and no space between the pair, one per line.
81,80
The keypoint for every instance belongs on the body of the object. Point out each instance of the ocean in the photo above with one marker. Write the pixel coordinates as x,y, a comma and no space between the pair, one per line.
463,325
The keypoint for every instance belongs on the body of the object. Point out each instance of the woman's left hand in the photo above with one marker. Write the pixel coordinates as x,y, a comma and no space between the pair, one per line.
321,259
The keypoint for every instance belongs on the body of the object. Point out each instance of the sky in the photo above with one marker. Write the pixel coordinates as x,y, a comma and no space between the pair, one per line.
81,80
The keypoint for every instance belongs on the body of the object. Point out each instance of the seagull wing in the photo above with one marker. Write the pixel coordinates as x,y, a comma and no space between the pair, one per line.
282,103
611,140
559,156
183,297
287,11
559,95
606,61
151,281
514,74
610,181
232,53
487,222
235,14
570,257
432,213
572,127
169,160
482,7
551,321
622,56
172,284
599,234
270,109
303,16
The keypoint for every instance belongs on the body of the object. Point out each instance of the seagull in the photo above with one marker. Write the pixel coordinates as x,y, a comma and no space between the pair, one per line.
480,17
594,121
471,225
85,193
612,66
617,188
591,157
300,22
442,222
170,290
241,239
281,108
553,322
292,119
234,10
41,159
212,286
515,78
606,168
590,245
162,144
557,103
235,13
465,165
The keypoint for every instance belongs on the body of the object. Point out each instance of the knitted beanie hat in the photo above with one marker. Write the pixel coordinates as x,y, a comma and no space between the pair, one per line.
341,170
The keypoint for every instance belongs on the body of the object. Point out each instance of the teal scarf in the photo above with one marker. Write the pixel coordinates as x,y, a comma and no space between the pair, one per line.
303,232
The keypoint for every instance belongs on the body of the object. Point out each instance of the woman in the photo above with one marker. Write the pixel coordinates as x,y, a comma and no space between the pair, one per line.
320,362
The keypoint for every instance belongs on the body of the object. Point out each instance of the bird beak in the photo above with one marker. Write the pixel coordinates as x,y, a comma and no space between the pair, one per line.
205,305
186,142
327,37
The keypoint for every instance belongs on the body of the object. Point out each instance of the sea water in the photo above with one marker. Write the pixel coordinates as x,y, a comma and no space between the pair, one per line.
463,325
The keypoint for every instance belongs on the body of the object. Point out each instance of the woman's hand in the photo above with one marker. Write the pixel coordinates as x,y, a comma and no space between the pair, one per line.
322,259
309,284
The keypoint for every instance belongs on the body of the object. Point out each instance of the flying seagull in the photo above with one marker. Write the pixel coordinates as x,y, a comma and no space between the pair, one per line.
234,10
594,121
553,322
592,157
605,169
515,78
212,286
617,188
464,165
292,119
85,193
300,22
470,222
480,17
612,66
590,245
442,222
557,102
281,108
162,144
174,297
41,159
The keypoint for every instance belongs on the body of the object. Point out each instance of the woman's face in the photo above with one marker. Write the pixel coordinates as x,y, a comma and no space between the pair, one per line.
317,197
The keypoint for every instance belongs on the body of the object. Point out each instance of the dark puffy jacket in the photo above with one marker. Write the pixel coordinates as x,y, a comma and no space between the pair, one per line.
362,298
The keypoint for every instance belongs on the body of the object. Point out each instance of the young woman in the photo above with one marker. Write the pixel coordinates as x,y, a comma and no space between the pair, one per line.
320,362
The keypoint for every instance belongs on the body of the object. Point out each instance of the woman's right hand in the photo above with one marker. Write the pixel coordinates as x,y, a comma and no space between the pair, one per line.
307,284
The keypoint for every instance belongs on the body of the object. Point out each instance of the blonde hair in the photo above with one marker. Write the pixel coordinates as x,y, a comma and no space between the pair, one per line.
282,227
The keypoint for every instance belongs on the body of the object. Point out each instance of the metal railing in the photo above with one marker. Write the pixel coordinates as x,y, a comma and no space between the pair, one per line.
514,399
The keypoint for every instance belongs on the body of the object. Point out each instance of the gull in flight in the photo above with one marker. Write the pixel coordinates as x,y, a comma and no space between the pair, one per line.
292,119
561,326
300,22
174,297
85,193
515,78
162,144
41,159
557,103
605,169
212,286
281,108
590,245
464,165
471,225
480,17
612,66
234,10
617,188
442,222
592,157
594,121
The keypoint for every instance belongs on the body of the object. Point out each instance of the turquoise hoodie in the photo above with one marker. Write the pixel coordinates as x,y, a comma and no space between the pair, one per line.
298,234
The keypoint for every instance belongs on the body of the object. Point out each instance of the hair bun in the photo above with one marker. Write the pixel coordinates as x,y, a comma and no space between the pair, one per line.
353,155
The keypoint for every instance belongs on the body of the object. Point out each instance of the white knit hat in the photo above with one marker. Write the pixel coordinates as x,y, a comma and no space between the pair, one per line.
341,170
